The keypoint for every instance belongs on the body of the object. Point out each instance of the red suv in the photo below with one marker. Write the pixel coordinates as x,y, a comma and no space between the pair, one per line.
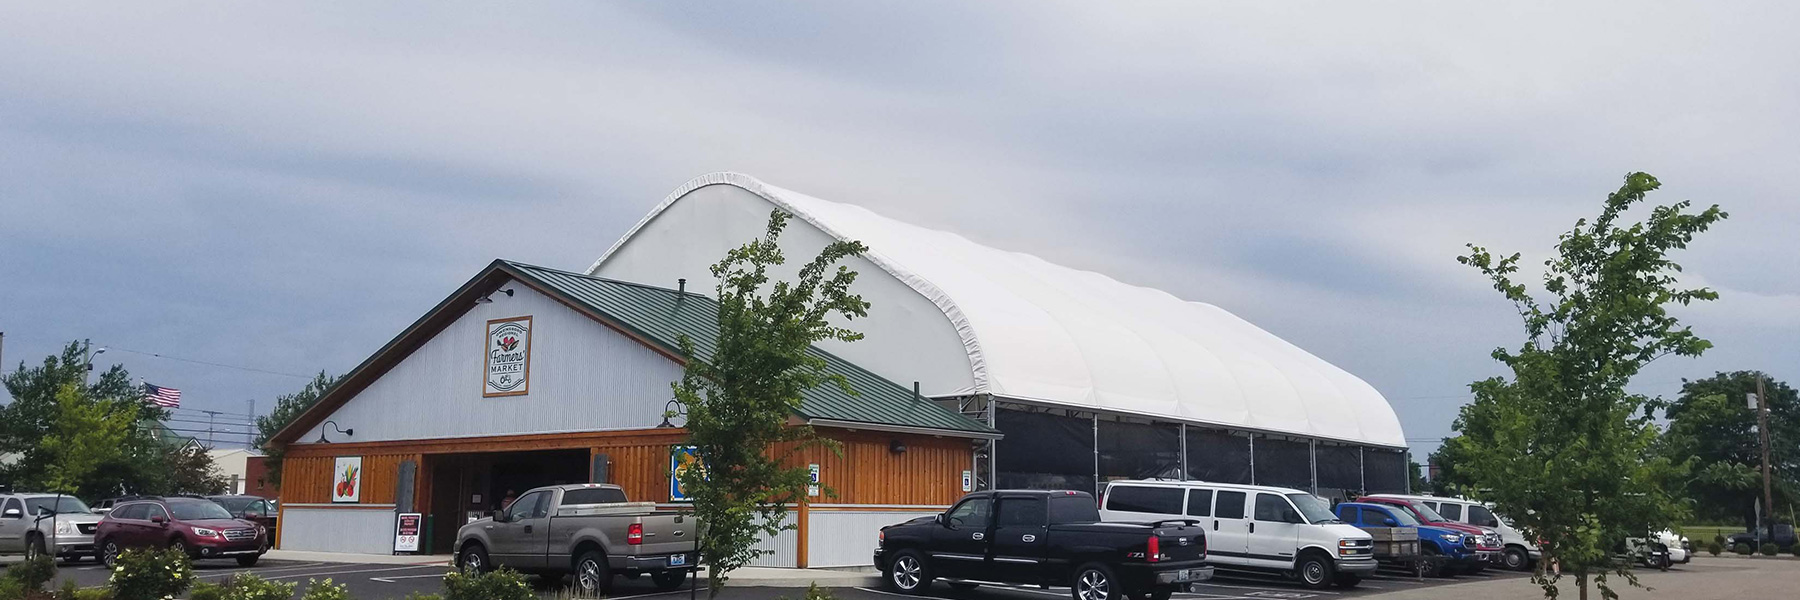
195,526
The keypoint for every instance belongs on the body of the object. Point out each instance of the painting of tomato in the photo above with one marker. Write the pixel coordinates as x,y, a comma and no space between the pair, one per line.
346,477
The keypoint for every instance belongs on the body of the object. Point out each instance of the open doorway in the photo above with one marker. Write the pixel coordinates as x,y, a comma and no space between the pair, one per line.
467,487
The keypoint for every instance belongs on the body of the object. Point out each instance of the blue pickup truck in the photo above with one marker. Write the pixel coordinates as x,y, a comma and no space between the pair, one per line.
1449,551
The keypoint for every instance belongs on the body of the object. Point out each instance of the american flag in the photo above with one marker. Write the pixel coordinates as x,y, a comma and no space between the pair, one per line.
165,397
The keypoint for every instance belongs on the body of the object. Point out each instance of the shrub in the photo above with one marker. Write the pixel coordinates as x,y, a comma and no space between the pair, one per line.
503,584
324,590
151,575
243,586
34,573
419,596
1715,548
70,591
1719,538
1743,549
11,589
1794,549
1769,549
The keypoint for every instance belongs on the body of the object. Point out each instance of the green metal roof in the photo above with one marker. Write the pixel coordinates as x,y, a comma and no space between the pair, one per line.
662,315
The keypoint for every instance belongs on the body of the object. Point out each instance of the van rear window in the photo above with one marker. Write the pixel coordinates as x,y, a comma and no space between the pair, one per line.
1159,500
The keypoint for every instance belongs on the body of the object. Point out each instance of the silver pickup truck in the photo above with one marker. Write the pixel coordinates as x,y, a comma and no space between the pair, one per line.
28,523
588,529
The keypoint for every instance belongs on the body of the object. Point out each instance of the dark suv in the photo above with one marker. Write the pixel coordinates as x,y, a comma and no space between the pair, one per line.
196,526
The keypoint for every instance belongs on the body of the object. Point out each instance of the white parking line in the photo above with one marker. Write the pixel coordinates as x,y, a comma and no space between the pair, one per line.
647,595
330,573
391,579
226,572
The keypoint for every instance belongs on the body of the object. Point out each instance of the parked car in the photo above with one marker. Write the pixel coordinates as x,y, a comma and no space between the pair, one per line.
1049,538
1783,537
589,529
105,505
30,524
1252,527
195,526
256,509
1445,551
1516,552
1488,546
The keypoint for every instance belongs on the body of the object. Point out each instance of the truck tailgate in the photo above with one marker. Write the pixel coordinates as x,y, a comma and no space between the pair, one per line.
665,533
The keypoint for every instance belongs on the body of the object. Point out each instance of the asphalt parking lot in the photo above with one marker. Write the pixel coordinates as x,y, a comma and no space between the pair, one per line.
390,581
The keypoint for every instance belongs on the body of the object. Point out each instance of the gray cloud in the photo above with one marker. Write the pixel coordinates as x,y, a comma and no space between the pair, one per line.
286,189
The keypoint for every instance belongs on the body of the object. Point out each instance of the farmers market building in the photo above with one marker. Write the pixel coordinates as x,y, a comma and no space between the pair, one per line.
1029,375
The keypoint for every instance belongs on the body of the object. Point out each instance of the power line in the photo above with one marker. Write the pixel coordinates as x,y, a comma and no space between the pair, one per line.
207,363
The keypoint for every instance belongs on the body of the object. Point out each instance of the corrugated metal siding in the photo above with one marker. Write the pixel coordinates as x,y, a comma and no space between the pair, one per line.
664,315
786,547
584,376
846,538
362,531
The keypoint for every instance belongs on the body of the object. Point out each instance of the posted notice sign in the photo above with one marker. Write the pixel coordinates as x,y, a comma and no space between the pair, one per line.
508,358
406,532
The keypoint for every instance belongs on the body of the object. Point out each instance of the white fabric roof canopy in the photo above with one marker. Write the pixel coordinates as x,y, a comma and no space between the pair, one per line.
1045,333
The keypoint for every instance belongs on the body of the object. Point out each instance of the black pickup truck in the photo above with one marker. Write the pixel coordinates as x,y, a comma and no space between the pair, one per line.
1049,538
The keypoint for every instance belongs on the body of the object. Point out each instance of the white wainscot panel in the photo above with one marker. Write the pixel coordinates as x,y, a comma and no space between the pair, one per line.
361,531
846,538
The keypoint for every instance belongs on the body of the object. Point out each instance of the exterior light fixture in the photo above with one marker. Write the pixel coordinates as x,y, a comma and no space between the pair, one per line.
672,409
897,447
347,432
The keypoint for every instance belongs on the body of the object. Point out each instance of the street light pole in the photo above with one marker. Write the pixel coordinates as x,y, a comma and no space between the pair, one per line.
1762,428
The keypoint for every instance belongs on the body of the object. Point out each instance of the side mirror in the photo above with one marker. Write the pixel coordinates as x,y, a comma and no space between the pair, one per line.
1390,522
250,515
938,518
13,513
159,520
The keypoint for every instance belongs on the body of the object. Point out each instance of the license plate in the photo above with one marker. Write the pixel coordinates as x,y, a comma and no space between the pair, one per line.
678,560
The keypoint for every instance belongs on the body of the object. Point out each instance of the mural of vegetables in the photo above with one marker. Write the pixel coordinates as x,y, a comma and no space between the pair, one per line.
347,476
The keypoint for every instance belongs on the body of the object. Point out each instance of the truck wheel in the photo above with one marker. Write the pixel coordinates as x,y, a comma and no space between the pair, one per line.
473,560
593,577
34,547
1516,559
1315,571
668,580
907,573
1093,581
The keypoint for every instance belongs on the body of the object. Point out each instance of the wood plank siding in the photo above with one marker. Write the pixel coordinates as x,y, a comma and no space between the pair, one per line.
868,472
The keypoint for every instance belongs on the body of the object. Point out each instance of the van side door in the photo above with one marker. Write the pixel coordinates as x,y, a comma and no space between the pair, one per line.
1274,531
1228,541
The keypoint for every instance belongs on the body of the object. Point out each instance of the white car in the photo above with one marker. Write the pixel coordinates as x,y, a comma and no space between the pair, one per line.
1252,527
1519,553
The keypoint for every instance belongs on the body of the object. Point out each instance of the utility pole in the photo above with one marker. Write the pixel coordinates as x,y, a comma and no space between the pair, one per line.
1762,428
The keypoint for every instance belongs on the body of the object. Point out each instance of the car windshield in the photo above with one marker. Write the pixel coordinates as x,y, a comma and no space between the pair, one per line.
67,505
235,505
198,510
1313,509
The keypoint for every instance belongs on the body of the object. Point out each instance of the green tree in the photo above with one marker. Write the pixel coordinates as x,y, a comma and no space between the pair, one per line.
1451,479
287,408
53,417
1561,447
85,435
1712,425
739,396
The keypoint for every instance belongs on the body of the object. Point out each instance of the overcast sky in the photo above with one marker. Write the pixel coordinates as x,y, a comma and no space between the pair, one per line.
285,191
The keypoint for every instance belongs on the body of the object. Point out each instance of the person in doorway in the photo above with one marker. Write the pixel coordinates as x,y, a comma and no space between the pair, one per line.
507,500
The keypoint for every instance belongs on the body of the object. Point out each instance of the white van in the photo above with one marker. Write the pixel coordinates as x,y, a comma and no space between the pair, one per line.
1253,527
1520,553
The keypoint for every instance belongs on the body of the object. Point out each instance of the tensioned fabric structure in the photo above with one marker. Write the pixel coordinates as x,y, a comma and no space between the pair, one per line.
1062,360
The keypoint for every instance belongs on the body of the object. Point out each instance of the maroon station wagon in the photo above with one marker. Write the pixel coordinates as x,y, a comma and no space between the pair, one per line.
195,526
